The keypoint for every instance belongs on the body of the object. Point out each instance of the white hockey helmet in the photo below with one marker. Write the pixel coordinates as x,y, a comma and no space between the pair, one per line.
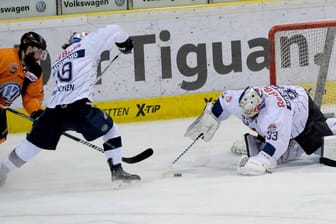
251,101
74,38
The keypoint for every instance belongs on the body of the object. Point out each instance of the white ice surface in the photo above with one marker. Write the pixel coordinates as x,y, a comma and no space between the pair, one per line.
72,185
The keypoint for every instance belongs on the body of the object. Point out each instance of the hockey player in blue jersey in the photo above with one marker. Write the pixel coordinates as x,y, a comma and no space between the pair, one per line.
71,108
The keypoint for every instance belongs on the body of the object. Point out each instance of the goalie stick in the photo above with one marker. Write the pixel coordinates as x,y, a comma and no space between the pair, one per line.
170,168
198,137
134,159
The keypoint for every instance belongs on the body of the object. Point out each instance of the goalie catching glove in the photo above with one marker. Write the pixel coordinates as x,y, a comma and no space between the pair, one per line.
205,125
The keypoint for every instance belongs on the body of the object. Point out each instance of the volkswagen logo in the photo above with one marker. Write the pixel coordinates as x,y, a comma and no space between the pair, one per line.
41,6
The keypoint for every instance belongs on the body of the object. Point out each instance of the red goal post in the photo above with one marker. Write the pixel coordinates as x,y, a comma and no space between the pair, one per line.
304,54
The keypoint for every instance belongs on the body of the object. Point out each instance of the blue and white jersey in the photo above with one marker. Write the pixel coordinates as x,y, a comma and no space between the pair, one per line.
75,70
283,118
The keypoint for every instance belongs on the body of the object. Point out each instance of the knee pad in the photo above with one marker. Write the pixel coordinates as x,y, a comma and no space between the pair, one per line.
293,152
98,123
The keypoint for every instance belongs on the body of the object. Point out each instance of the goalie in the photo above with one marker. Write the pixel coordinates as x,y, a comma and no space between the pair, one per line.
286,120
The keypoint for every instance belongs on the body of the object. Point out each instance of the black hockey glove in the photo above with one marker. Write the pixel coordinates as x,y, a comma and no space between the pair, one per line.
36,114
126,47
34,72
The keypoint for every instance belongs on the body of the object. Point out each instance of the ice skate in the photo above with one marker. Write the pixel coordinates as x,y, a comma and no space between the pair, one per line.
120,178
119,174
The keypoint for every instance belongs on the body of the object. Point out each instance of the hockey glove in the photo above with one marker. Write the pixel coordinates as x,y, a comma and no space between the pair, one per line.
36,114
126,47
256,165
34,71
206,124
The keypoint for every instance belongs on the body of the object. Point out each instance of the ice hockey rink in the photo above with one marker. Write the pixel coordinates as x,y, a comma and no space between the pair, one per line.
72,185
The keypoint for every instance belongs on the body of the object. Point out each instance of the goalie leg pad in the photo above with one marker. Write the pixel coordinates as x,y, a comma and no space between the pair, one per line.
328,152
206,125
294,152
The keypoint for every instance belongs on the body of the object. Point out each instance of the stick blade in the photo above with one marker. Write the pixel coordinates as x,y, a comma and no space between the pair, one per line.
140,157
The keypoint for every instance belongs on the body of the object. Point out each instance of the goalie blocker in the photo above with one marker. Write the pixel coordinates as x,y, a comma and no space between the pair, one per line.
328,151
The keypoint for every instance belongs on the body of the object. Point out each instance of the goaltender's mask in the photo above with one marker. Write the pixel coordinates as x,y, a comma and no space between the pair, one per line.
251,101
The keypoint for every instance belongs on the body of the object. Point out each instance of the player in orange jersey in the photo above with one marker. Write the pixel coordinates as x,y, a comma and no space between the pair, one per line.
21,74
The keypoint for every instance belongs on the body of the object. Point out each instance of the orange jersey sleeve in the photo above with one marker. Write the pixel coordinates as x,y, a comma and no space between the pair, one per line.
33,96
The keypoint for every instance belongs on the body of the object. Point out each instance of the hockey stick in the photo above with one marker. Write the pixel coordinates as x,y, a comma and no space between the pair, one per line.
134,159
177,158
170,168
115,58
105,69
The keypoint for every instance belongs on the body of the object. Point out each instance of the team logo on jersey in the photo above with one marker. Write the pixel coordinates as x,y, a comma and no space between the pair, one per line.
9,92
13,67
105,128
228,99
272,127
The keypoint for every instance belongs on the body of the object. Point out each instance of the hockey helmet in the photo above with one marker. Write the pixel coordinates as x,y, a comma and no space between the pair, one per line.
32,39
74,38
251,101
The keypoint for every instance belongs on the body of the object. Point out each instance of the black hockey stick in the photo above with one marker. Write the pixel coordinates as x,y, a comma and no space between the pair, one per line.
115,58
134,159
105,69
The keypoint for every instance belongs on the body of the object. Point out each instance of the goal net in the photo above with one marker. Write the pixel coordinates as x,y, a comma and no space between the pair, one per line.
304,54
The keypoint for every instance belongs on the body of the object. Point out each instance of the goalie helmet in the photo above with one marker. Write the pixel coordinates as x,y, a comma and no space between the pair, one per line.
251,101
74,38
32,39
